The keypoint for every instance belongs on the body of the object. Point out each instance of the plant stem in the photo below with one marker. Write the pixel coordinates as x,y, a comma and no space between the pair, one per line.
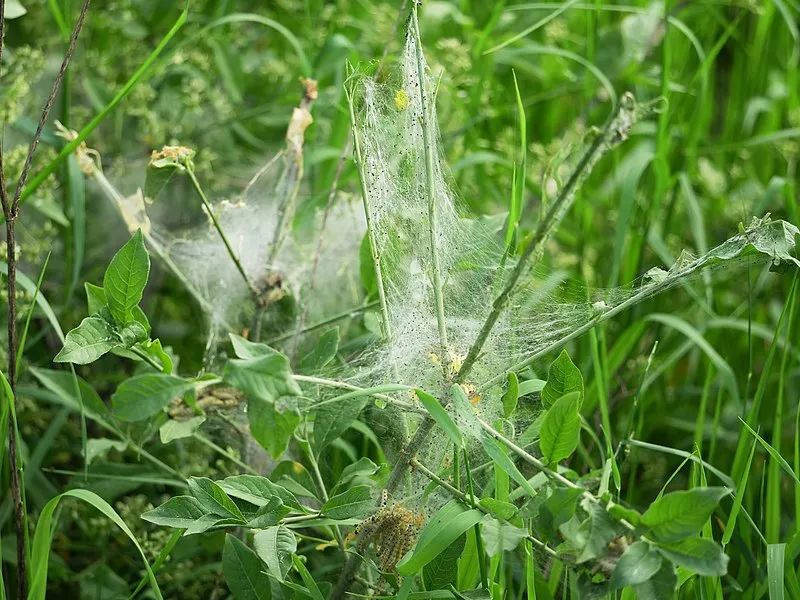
376,392
148,359
337,534
373,245
218,227
547,223
408,453
318,250
337,317
10,214
472,501
116,197
438,293
529,458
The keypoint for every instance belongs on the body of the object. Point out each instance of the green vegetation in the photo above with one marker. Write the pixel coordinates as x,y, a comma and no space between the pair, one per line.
361,300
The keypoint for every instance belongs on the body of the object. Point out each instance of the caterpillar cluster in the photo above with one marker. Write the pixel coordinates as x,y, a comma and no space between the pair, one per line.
393,530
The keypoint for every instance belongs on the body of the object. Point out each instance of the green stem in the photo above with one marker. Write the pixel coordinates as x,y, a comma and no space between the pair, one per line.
552,217
373,245
337,317
430,191
472,501
147,358
337,534
376,392
218,227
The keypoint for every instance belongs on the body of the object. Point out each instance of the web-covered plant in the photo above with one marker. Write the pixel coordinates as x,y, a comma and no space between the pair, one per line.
463,309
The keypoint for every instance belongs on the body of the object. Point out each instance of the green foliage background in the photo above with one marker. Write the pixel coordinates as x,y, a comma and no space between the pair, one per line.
725,147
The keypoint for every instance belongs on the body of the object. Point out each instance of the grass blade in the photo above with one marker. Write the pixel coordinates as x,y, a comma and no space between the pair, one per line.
69,148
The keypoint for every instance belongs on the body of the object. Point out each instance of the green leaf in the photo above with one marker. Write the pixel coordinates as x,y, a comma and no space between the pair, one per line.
143,396
90,340
308,580
776,456
500,509
275,546
479,594
589,538
62,385
511,395
176,430
500,537
563,378
46,528
99,448
132,333
776,559
367,268
531,386
260,372
179,512
125,279
499,455
447,525
270,427
324,351
95,298
155,351
660,586
561,429
242,569
678,515
700,555
557,508
442,571
332,420
638,564
268,515
439,414
355,502
257,490
162,168
619,512
363,467
141,318
213,498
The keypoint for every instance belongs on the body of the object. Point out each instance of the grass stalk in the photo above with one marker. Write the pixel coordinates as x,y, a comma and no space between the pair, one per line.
477,528
438,286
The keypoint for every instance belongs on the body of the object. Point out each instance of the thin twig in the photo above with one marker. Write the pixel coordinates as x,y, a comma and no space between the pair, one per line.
10,214
26,168
318,251
332,319
210,212
533,250
438,291
373,244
